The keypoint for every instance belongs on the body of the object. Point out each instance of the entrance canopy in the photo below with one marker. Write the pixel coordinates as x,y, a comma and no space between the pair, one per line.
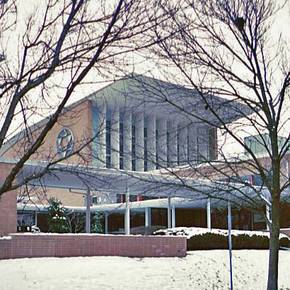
175,202
143,183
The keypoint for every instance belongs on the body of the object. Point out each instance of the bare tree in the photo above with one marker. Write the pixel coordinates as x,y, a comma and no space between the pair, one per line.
226,49
48,51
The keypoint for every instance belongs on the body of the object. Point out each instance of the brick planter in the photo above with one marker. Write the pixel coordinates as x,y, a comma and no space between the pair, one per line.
70,245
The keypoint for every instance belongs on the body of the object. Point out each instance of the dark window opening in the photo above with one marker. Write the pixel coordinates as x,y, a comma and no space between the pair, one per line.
168,148
108,143
178,146
133,148
121,145
157,149
212,143
145,150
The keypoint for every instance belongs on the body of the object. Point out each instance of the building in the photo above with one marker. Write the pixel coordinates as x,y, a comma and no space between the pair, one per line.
243,171
123,128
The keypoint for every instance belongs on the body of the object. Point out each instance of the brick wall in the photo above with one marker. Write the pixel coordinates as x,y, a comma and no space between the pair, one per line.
70,245
8,213
8,209
77,119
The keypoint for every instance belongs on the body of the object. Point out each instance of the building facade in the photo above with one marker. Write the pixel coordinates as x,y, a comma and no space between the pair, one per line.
128,126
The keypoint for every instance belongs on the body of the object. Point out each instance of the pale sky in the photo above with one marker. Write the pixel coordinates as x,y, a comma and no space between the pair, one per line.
141,64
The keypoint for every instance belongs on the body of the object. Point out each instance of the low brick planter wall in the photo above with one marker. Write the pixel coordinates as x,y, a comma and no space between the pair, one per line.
70,245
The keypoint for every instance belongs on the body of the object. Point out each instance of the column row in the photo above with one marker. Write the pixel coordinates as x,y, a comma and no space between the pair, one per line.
143,142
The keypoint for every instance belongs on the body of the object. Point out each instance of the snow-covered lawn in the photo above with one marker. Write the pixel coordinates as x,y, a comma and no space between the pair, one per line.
199,270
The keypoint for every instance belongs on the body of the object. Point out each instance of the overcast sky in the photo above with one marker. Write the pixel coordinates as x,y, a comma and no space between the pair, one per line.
142,65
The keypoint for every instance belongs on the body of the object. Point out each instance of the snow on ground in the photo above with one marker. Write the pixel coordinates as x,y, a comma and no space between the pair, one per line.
199,270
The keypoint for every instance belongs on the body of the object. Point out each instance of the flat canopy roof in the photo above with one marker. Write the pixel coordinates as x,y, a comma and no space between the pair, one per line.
175,202
142,183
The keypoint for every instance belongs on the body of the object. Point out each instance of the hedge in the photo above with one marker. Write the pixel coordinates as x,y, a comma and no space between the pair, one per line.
209,241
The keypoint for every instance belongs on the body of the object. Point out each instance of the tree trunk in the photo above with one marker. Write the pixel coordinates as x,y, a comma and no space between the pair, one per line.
274,246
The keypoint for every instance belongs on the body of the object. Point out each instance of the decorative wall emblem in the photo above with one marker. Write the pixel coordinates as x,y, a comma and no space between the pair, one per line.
65,142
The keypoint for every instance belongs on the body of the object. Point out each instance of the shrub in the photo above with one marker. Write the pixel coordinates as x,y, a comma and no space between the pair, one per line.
207,241
243,241
285,242
77,222
96,224
57,220
203,239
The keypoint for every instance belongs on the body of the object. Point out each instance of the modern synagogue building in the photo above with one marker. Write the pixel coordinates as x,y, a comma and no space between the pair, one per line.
125,135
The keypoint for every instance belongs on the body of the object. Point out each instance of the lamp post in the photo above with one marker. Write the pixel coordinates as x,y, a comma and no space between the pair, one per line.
230,242
88,211
169,221
208,214
127,213
88,202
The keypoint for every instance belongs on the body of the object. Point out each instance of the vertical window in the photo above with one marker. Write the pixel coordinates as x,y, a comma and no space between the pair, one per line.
178,145
120,198
108,143
212,143
133,148
121,144
145,150
157,149
199,141
167,149
188,146
132,197
202,144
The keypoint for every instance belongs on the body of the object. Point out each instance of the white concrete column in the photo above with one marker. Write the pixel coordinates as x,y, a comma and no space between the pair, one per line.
35,218
115,138
88,212
169,225
151,143
139,141
192,143
127,214
147,217
101,140
106,215
208,214
127,140
268,215
183,158
162,142
173,217
230,242
172,146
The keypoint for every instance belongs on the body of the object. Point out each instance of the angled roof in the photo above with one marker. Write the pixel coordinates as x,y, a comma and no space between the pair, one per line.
151,93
